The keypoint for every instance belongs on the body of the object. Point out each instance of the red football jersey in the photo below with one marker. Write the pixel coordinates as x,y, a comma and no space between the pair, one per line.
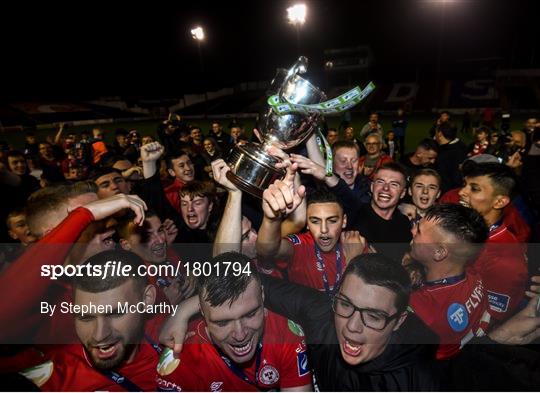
304,269
69,369
456,309
503,267
283,362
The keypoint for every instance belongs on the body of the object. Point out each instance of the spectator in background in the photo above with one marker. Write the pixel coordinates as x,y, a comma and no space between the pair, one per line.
372,126
169,131
18,228
487,117
147,139
196,140
222,139
197,200
121,142
237,135
211,152
31,146
466,123
444,118
452,152
424,190
399,126
390,147
424,156
375,158
481,143
110,182
181,168
332,136
99,149
349,136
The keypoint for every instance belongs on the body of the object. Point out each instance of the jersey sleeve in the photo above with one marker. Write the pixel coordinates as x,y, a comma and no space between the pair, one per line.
22,281
295,368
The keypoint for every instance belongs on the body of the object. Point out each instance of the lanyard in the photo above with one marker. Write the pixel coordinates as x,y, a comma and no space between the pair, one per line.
447,280
339,268
123,381
238,372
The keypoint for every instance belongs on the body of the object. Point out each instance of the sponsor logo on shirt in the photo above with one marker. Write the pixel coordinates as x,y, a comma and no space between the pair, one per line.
268,375
458,317
216,386
302,363
167,386
294,239
498,302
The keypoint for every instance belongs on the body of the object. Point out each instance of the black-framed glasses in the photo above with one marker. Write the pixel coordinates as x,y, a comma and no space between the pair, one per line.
373,319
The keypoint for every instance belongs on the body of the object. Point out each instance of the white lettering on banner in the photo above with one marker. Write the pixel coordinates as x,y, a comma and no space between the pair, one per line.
402,92
457,316
484,87
475,299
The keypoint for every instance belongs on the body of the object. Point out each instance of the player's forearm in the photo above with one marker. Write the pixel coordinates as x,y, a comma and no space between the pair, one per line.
149,169
314,153
229,233
269,237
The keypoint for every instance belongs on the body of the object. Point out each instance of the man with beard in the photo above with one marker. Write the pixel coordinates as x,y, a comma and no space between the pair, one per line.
316,258
238,345
115,351
502,264
380,221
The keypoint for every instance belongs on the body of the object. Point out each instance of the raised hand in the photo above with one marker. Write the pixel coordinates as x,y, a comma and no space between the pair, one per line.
104,208
170,231
353,244
220,169
151,152
281,197
308,167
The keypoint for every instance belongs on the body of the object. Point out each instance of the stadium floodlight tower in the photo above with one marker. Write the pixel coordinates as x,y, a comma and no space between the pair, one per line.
297,17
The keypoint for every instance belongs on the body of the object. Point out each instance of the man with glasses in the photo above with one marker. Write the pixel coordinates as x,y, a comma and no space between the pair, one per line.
362,339
375,157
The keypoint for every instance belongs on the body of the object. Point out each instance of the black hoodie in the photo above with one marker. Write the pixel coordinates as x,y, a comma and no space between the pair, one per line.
406,364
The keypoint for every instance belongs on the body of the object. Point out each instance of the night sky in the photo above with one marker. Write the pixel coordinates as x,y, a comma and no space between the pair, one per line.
85,49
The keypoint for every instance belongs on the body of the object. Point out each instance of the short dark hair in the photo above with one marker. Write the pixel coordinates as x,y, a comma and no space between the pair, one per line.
218,288
395,167
95,283
322,195
429,144
14,153
173,155
501,176
448,131
121,131
425,172
377,269
102,172
464,223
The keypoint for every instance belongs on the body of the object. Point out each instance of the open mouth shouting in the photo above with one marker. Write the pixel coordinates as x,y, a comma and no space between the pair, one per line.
106,351
159,249
351,347
242,349
325,241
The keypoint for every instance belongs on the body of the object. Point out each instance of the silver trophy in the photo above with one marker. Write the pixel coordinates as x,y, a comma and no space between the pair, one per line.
252,168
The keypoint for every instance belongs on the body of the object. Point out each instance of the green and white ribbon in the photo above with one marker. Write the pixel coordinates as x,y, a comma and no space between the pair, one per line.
326,150
336,105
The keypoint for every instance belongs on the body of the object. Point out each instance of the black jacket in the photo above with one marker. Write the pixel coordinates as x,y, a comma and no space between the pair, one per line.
450,157
401,367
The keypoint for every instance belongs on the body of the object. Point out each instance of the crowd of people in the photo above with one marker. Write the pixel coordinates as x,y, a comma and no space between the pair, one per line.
397,271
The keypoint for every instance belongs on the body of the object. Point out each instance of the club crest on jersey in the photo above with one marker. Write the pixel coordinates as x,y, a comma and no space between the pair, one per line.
458,317
167,362
216,386
294,239
295,328
268,375
302,363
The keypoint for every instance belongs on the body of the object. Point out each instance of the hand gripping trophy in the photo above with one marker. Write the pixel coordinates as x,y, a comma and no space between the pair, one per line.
294,110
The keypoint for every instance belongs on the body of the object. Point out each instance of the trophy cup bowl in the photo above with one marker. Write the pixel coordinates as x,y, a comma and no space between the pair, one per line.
252,168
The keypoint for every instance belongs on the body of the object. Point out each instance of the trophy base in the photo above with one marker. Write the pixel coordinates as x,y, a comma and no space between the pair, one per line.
252,170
